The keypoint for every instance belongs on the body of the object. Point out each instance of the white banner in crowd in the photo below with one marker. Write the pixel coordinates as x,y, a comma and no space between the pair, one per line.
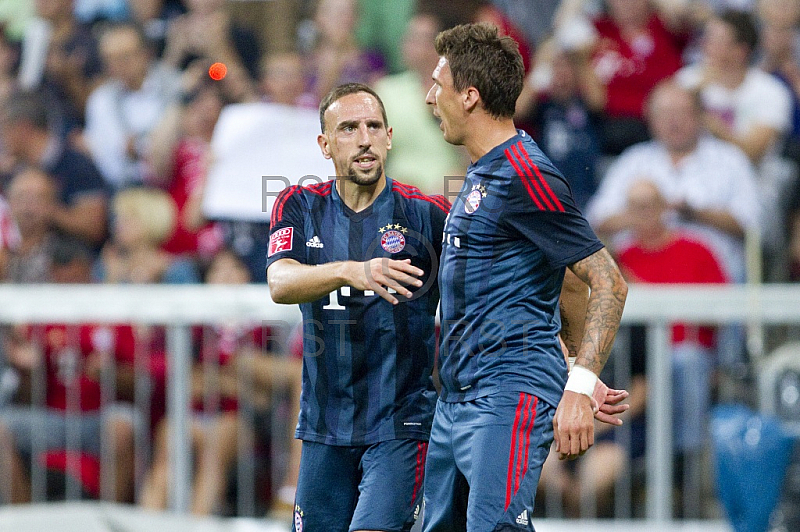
254,145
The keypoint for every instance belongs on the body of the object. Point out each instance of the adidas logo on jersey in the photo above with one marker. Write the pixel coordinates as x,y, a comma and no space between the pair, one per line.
315,242
522,519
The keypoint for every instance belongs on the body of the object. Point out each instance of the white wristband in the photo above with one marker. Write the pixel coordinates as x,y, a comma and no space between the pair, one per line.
581,380
571,363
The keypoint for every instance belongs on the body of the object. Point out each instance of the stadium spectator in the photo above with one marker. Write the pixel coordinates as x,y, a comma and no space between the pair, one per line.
416,134
207,30
750,108
563,113
743,105
658,254
382,25
454,13
60,57
16,15
27,136
533,17
283,80
9,55
186,167
155,17
93,11
10,239
74,417
142,220
31,198
634,50
122,112
337,57
225,355
709,182
780,56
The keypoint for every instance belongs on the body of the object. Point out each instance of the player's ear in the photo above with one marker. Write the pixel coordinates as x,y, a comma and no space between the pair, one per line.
470,98
322,140
388,138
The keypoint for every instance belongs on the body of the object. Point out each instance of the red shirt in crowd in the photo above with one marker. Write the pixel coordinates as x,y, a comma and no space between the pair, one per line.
67,350
682,260
189,170
219,344
630,69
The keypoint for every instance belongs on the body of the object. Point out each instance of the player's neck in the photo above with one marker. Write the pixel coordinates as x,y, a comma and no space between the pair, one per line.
486,134
359,197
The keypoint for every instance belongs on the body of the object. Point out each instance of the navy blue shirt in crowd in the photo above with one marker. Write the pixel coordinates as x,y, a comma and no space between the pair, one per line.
508,238
367,364
75,174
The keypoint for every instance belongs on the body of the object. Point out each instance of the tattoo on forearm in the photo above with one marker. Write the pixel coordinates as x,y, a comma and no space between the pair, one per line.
570,340
604,311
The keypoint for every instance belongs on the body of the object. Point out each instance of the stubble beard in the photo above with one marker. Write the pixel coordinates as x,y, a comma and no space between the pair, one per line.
365,179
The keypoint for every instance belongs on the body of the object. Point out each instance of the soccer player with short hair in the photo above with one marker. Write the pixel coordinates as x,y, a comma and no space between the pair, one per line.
510,236
360,255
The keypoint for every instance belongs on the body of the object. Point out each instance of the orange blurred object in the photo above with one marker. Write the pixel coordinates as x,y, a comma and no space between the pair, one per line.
217,71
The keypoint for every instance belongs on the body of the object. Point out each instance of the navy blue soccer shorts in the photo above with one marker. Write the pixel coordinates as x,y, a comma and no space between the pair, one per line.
484,462
373,487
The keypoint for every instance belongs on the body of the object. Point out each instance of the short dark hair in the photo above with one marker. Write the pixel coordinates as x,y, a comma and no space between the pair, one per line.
27,106
343,90
744,27
480,57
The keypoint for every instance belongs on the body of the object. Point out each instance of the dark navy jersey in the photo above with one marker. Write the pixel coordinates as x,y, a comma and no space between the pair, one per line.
508,238
366,364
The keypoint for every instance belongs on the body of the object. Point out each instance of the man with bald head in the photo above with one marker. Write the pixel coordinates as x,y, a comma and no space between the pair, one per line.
660,254
710,183
121,113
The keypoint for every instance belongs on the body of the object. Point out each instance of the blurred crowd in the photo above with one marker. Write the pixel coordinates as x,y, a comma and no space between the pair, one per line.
676,122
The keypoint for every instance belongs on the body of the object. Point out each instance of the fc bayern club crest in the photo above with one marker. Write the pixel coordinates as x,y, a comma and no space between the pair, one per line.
392,238
474,198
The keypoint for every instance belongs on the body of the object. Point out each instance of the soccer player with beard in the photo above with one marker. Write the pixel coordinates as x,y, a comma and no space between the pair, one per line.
360,255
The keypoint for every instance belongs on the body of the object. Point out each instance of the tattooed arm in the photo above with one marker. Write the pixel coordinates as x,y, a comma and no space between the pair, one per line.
573,423
604,309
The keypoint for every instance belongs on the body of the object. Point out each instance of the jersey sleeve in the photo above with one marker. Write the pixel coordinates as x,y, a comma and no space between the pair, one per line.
541,209
440,208
287,227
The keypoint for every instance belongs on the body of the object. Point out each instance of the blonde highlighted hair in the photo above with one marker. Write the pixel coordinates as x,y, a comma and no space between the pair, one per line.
154,209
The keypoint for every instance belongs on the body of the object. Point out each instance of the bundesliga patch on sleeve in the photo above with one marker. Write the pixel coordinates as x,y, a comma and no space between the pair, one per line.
280,240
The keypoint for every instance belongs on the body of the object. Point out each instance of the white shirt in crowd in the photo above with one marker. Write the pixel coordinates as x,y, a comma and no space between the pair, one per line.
717,175
115,114
760,100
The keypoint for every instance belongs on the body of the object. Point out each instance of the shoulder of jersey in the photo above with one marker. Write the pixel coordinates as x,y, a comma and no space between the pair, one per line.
537,186
413,193
318,189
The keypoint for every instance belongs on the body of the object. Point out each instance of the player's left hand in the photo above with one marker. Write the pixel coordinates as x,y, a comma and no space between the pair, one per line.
573,425
607,403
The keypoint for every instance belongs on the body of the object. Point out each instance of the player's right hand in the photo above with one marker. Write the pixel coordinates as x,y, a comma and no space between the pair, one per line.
607,403
381,273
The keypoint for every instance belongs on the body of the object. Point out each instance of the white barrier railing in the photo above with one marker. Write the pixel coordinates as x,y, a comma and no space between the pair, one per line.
179,306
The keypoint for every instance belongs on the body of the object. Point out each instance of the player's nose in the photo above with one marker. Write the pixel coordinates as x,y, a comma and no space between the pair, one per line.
364,136
430,98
